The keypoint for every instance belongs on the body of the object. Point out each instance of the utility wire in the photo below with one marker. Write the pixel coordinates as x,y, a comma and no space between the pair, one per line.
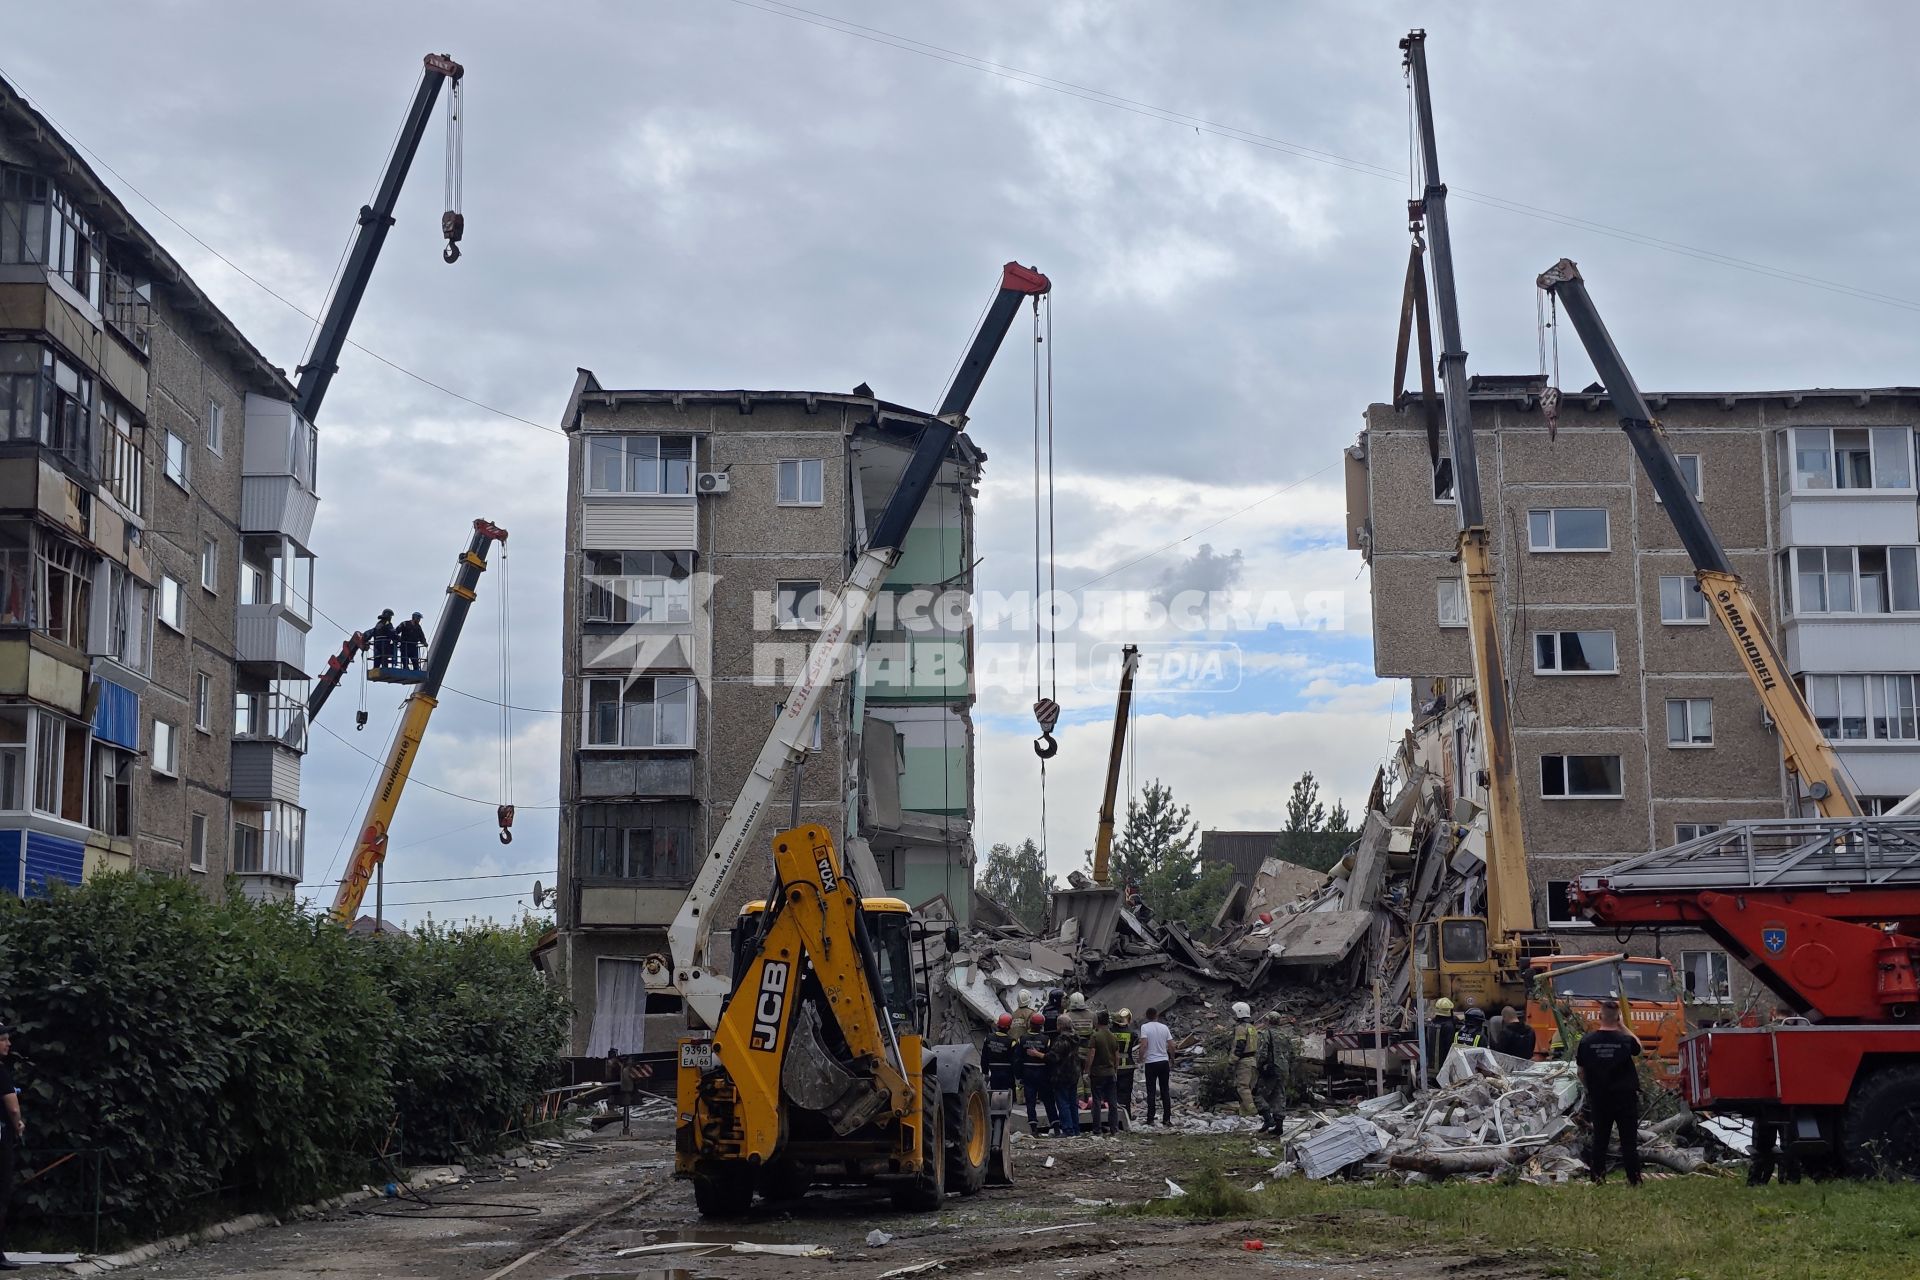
500,875
415,781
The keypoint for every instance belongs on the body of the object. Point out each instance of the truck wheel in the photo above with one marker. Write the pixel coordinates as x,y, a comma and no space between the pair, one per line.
1880,1136
785,1180
723,1192
927,1192
969,1135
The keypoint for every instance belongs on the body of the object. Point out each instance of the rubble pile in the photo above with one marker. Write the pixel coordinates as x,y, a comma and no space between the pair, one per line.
1490,1116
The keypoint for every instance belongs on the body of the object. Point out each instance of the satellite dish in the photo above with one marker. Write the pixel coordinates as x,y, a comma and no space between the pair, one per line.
540,895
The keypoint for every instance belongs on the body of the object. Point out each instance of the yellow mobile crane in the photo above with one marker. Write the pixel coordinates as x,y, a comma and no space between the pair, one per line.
370,848
1808,754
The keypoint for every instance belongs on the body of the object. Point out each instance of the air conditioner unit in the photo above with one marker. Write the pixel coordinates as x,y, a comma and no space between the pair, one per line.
713,482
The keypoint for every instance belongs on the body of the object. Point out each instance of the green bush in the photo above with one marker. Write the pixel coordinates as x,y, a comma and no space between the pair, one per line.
239,1053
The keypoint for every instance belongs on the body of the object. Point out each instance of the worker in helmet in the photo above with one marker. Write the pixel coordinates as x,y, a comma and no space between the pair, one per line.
1035,1079
1123,1080
381,637
997,1055
1441,1033
1473,1030
412,637
1077,1005
1056,1002
1273,1064
1245,1045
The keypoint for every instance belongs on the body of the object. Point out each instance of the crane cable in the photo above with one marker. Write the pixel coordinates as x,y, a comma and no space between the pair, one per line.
453,223
1046,684
506,700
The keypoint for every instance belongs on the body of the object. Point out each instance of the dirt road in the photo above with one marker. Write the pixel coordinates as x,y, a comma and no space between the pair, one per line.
622,1194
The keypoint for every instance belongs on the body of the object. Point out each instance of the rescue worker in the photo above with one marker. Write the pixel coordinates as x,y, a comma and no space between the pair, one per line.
998,1055
1513,1036
1770,1136
1245,1045
1123,1080
1077,1006
1440,1034
1103,1068
1063,1066
1273,1066
1473,1031
412,637
1612,1082
381,637
1034,1076
1056,1000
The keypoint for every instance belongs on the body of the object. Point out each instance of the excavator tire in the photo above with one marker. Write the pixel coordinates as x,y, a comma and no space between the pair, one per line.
926,1193
725,1191
785,1180
969,1132
1880,1134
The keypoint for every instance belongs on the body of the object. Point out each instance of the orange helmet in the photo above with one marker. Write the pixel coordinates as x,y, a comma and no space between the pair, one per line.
1006,1020
1038,1021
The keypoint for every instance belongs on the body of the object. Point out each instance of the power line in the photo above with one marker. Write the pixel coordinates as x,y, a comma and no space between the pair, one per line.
500,875
443,902
417,782
1234,133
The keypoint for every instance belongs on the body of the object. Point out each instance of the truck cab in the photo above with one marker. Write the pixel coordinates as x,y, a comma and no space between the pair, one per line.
1654,1012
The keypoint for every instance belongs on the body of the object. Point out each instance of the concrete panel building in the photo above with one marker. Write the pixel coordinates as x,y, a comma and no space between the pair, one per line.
706,532
1634,724
154,571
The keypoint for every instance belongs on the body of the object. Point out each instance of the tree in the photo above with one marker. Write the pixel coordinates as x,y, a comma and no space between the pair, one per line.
1159,849
1017,879
1313,837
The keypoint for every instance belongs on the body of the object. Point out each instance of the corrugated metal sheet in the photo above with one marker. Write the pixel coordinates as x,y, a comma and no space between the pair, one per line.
266,635
10,868
116,717
264,771
278,504
52,858
639,524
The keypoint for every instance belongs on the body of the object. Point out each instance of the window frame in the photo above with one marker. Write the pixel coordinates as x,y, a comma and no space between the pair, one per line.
592,860
1558,639
168,439
606,596
210,564
1830,452
1687,707
1565,919
216,427
785,619
1722,980
1459,595
664,476
1566,792
1689,589
203,701
1553,532
178,624
1696,483
197,842
169,767
801,466
594,698
1875,707
1698,829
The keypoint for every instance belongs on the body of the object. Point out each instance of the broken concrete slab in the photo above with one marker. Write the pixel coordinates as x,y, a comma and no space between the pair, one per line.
1138,992
1233,910
1044,964
1093,911
1369,864
1281,883
1312,938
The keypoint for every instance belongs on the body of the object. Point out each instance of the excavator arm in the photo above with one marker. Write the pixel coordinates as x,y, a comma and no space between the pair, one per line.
1809,755
688,969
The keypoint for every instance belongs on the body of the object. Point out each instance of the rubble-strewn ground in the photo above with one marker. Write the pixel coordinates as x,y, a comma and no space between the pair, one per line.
1701,1227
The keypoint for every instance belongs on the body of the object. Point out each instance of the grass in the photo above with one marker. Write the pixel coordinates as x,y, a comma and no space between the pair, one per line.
1702,1228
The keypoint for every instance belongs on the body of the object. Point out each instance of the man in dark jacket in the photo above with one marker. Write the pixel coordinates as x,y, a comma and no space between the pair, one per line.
412,637
997,1055
1513,1036
381,637
1035,1078
1612,1081
1063,1065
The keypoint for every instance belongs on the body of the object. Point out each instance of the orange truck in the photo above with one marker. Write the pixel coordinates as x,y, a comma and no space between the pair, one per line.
1643,988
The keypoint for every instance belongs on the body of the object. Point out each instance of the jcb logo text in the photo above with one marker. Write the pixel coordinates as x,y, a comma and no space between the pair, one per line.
768,1006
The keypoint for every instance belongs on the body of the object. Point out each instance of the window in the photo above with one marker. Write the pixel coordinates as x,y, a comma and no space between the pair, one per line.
1685,831
1580,777
1827,458
796,605
800,482
166,749
62,590
639,586
173,602
640,464
1690,472
246,847
40,225
253,584
270,841
648,842
129,307
176,465
1451,602
1567,529
1863,708
1707,976
814,742
203,702
123,461
216,427
46,400
209,564
1689,722
16,578
1681,603
59,767
197,842
1868,580
1574,653
1560,912
646,711
249,714
13,761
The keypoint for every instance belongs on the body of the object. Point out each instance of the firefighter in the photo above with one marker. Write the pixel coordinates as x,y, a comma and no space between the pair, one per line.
1273,1066
1056,1001
1034,1077
997,1056
1440,1034
1473,1031
1123,1083
1245,1046
381,636
412,636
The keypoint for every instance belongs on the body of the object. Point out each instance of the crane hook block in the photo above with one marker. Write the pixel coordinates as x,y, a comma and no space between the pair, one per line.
1046,714
1045,747
359,721
452,225
506,824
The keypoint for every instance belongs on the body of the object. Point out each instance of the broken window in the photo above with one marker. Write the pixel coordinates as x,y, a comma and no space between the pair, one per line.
112,813
797,604
1574,653
649,711
123,462
1560,912
1708,976
1567,529
63,589
1580,777
639,586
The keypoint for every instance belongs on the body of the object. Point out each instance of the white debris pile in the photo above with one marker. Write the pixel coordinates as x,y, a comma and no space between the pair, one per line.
1491,1114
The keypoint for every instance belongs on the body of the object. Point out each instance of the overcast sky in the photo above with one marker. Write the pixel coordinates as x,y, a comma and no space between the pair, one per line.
737,193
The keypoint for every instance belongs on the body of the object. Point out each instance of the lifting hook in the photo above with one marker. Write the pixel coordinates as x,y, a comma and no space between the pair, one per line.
1046,713
506,824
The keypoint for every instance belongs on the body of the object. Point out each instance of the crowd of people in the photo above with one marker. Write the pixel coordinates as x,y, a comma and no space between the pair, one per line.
1062,1051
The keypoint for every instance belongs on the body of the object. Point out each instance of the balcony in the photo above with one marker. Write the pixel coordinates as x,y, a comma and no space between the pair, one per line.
265,770
271,642
614,777
278,505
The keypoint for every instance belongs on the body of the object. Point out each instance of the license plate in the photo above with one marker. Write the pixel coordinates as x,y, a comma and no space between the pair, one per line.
697,1055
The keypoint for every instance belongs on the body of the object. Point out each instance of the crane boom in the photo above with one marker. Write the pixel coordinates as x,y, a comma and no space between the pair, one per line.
330,337
1509,901
1103,838
370,848
1809,755
690,971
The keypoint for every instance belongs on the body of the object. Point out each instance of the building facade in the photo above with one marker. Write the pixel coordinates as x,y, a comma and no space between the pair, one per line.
706,533
1635,726
148,530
